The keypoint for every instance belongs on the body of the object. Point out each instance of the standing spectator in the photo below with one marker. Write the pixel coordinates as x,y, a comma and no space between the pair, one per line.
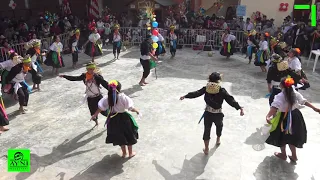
224,25
264,21
316,38
248,26
46,30
55,30
301,38
240,23
67,25
9,32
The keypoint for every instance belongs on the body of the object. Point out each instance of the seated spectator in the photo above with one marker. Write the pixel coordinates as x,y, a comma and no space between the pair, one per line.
9,32
55,30
46,30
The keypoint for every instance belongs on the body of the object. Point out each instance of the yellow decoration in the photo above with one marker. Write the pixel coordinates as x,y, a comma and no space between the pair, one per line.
27,60
213,88
113,82
155,45
282,66
149,28
154,19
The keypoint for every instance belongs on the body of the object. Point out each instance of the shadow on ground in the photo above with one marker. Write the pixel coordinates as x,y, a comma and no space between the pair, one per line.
191,169
275,168
105,169
257,140
39,163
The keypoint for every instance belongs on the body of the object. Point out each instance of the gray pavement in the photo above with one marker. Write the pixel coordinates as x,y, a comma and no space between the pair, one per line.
57,131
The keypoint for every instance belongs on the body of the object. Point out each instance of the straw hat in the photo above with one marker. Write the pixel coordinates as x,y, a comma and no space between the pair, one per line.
283,65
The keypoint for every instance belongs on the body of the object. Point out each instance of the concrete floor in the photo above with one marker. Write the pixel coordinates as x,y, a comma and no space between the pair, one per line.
57,131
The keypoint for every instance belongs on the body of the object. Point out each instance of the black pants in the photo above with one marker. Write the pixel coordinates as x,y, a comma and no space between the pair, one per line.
116,48
75,57
23,96
93,105
146,67
209,118
275,91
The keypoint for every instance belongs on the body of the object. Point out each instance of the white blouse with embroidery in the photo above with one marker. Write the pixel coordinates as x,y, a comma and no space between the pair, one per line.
7,65
228,38
94,37
282,104
263,45
57,47
123,103
294,64
116,37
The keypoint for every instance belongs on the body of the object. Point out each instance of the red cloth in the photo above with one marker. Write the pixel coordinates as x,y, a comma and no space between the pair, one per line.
55,30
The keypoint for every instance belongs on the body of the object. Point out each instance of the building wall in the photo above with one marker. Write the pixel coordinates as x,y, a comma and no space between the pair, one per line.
270,8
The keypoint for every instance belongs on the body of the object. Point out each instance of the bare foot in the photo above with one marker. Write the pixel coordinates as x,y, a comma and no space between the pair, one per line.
206,151
124,155
141,84
132,154
292,158
218,141
145,83
22,111
3,129
281,156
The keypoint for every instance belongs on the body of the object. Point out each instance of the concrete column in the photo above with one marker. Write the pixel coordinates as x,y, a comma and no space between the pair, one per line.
26,4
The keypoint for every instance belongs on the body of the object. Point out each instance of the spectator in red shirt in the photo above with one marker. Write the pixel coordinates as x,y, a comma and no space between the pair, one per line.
55,30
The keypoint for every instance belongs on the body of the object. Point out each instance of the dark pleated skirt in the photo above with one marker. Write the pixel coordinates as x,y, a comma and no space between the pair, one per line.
52,60
224,50
3,120
93,51
275,91
261,58
299,131
4,75
93,105
121,130
36,78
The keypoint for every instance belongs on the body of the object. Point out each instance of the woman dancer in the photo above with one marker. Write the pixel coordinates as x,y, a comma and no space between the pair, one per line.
227,43
94,48
295,65
145,58
263,53
54,57
34,52
74,48
122,130
16,78
290,126
173,41
252,45
116,41
92,80
214,95
278,70
161,48
6,66
3,118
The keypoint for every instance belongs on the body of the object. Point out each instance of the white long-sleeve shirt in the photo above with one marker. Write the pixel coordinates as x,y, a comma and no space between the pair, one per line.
282,104
123,103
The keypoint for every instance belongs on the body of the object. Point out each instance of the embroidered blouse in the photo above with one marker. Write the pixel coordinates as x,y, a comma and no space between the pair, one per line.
116,37
57,47
294,64
94,37
263,45
282,104
123,103
228,38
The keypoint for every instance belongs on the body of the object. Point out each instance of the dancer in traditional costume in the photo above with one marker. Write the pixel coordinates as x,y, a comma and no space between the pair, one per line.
252,45
6,66
227,41
116,41
214,95
92,80
94,44
16,78
278,70
54,57
173,41
145,58
74,48
262,56
161,48
3,117
288,125
279,48
35,52
295,65
122,129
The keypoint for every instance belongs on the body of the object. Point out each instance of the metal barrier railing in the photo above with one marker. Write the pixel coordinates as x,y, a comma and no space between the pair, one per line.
45,44
186,37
